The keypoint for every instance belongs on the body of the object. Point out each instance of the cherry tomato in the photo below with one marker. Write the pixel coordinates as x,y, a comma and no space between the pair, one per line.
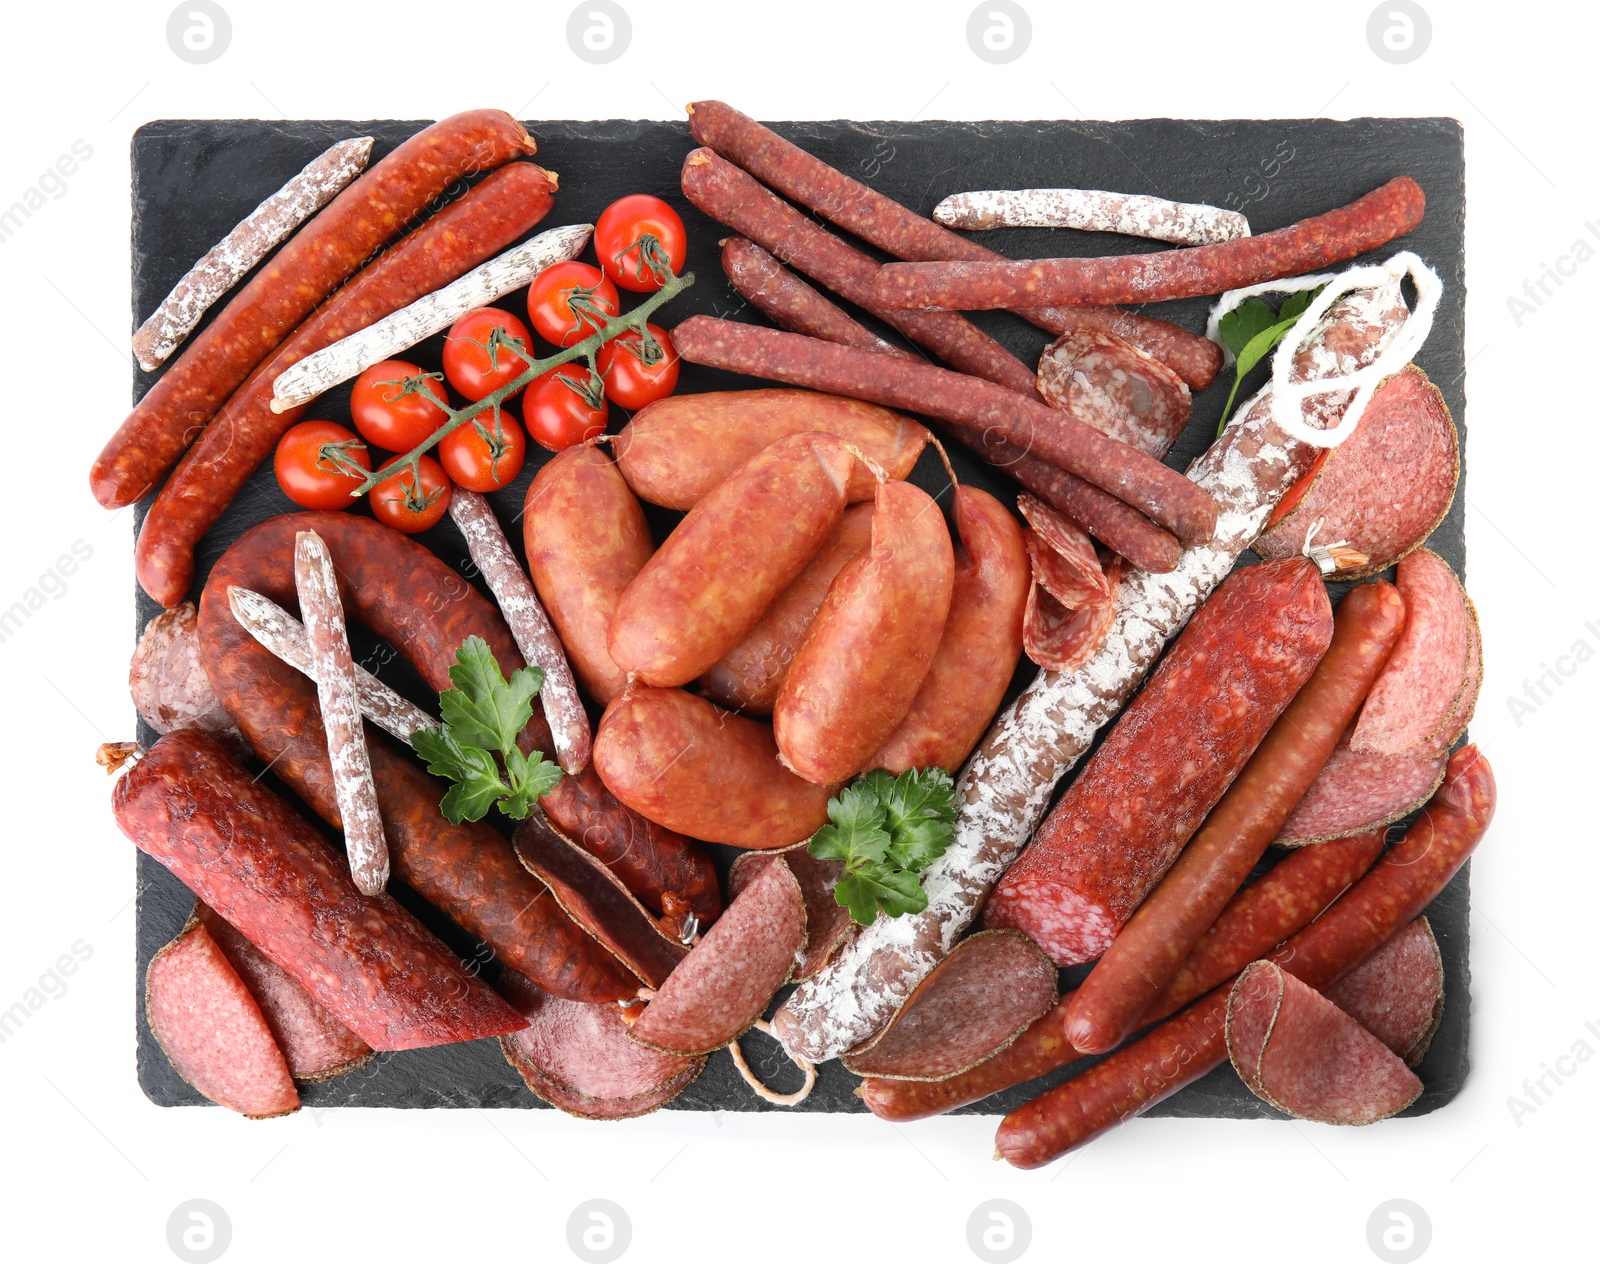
467,355
319,464
550,302
564,407
397,501
387,414
618,234
486,453
639,370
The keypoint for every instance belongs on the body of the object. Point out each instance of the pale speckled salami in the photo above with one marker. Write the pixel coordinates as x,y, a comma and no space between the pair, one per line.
168,681
1354,793
973,1004
1398,993
720,989
1300,1052
1063,639
1093,211
1068,566
828,922
1115,387
211,1028
1005,787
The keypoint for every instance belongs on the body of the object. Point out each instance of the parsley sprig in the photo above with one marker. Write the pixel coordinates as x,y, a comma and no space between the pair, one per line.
887,831
1251,330
482,716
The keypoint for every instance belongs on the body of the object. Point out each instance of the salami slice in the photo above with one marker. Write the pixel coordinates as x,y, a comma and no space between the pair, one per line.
578,1057
316,1045
1419,695
1385,488
828,923
168,682
1300,1052
973,1004
1115,387
212,1030
594,897
1398,993
1355,793
1072,545
723,985
1062,640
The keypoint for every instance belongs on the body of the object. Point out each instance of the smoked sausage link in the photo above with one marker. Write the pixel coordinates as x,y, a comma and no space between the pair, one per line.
337,241
247,854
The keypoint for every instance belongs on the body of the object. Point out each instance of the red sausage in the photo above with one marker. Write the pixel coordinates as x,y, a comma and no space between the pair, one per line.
1131,476
248,855
1184,1048
870,647
1365,224
342,236
243,435
980,645
1150,948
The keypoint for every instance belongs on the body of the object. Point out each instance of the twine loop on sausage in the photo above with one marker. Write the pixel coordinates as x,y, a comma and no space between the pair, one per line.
761,1090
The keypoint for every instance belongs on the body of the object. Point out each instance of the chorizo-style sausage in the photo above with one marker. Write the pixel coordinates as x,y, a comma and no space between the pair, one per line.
727,561
868,651
689,765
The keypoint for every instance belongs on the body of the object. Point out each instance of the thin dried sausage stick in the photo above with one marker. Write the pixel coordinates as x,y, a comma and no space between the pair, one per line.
791,304
1149,949
1093,211
335,674
903,233
495,213
1184,1048
530,626
1008,783
1365,224
732,197
341,238
1131,476
225,264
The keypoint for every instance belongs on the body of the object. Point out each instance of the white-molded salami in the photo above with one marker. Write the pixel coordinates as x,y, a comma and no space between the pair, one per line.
1094,211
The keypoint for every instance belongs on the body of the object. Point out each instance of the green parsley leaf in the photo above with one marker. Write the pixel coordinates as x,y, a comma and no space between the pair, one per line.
865,892
856,835
477,776
485,710
1244,322
921,814
532,777
1254,335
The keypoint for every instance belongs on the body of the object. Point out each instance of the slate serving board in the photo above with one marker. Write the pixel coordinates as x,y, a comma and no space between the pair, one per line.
193,180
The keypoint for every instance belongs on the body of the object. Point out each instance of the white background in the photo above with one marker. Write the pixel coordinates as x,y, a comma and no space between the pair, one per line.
91,1170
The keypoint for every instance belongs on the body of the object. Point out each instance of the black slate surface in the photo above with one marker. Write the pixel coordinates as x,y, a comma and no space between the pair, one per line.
193,180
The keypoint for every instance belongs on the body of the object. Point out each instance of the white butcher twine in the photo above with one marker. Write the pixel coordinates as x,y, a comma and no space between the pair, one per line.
1007,784
323,370
1095,211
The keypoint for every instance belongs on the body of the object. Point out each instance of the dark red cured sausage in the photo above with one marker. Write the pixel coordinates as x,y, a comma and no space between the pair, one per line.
420,606
970,402
789,303
727,194
1257,920
306,270
248,855
904,234
1168,760
1181,1050
488,219
1217,860
1365,224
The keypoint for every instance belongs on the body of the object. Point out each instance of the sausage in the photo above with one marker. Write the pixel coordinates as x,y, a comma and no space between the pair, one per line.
731,197
1092,211
789,303
414,601
1118,389
530,626
339,240
677,449
691,766
1008,783
586,538
247,854
869,649
1257,920
747,677
1365,224
169,685
494,214
1169,759
978,650
1150,948
1184,1048
1053,436
725,563
903,233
